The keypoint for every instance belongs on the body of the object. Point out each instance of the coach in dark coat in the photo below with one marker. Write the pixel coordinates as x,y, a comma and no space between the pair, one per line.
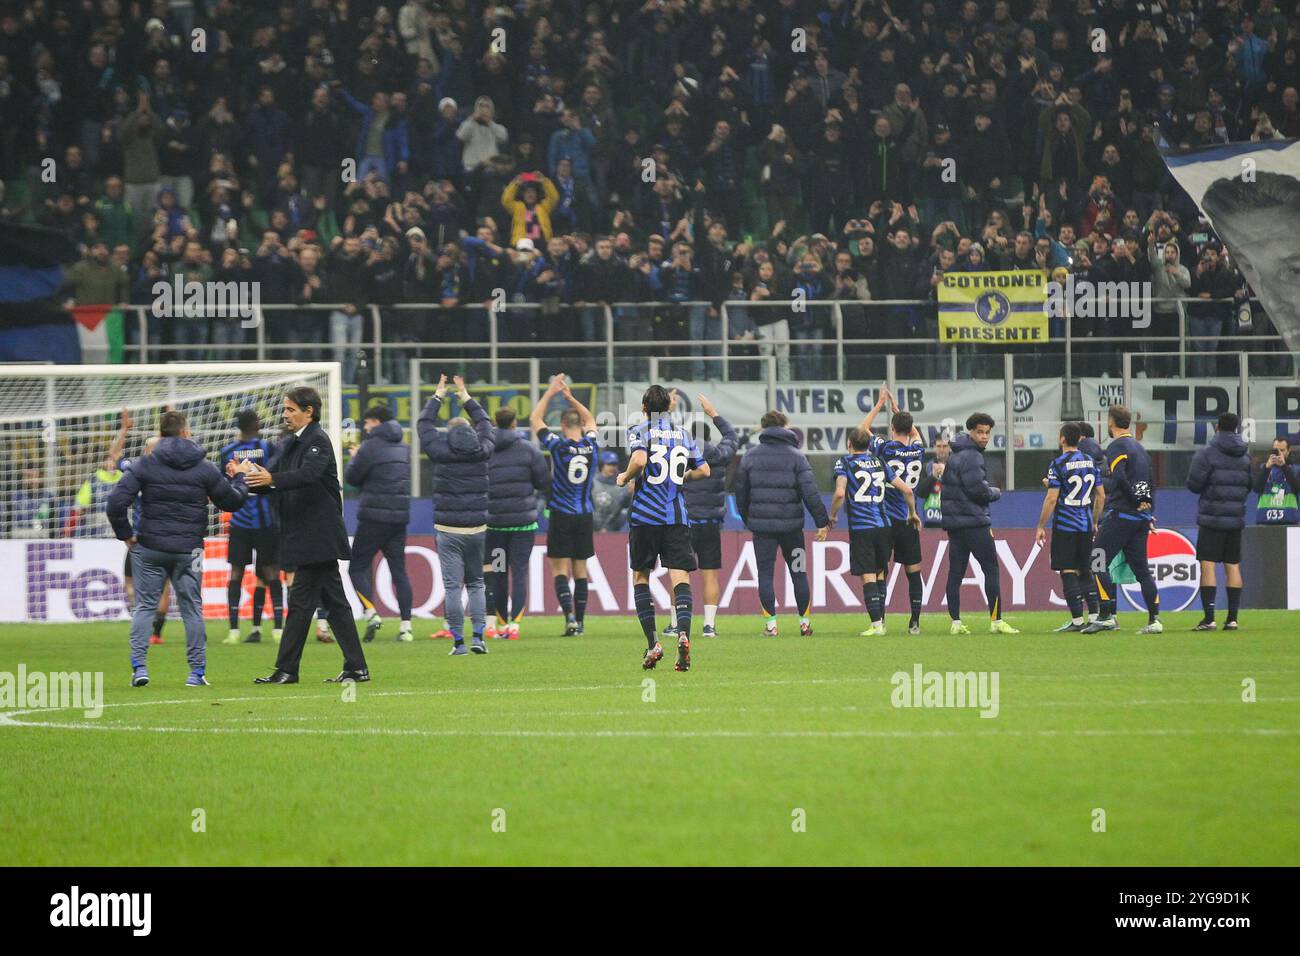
305,480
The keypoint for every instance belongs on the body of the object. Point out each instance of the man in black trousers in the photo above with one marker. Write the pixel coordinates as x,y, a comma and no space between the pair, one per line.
313,538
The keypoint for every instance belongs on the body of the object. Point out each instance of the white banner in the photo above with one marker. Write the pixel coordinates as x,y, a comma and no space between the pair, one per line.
823,414
1177,413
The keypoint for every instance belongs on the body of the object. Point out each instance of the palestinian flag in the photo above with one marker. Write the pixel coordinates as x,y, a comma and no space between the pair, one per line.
34,325
101,331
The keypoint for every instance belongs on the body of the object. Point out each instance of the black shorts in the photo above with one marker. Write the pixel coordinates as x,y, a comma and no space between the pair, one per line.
244,541
1221,547
570,536
869,550
1072,551
906,543
706,542
666,544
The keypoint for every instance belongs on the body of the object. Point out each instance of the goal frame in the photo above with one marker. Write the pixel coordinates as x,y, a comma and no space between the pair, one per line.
333,400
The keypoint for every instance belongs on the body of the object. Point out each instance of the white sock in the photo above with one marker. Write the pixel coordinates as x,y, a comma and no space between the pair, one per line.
404,626
710,613
1093,617
373,615
1077,620
234,630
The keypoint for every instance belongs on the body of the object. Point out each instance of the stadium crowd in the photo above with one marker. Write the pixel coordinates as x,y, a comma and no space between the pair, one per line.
678,153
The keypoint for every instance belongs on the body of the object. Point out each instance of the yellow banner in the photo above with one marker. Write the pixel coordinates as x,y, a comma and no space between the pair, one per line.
1005,307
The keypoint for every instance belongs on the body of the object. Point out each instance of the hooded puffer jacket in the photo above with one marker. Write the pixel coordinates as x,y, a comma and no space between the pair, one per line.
381,468
175,483
775,484
516,472
1220,474
966,494
460,461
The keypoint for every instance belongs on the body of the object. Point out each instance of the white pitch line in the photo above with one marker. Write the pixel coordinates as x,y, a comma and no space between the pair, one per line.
657,734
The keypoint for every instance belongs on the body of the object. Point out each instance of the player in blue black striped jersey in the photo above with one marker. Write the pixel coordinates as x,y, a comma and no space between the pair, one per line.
863,480
663,457
254,536
1073,503
569,530
903,453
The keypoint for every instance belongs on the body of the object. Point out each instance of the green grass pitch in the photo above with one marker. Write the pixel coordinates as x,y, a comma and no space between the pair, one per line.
547,752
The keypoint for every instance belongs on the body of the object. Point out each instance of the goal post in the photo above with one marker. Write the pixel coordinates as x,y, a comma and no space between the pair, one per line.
60,423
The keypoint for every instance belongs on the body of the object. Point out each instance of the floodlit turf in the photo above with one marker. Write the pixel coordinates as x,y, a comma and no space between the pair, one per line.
555,738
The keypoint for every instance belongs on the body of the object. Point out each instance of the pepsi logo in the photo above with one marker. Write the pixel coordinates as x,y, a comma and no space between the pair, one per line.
1172,559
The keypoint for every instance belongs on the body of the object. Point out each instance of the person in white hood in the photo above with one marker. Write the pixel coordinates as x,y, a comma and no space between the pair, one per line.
482,135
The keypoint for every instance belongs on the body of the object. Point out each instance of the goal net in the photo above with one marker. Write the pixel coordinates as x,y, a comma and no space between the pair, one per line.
64,430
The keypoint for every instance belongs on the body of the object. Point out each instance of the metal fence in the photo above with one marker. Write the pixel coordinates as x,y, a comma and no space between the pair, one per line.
617,342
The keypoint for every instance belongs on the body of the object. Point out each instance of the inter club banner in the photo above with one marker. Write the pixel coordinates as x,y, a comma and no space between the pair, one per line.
1250,193
1008,308
821,415
1179,413
81,580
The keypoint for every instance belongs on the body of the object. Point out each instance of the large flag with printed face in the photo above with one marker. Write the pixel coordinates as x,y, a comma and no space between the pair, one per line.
1250,193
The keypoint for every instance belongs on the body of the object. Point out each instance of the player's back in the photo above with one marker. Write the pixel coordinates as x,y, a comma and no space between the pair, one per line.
904,460
1075,476
670,453
1133,486
257,512
866,478
573,463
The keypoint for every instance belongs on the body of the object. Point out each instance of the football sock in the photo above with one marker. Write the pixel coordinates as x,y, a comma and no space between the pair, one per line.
1073,596
158,622
645,612
563,595
1234,603
259,598
684,602
914,591
233,591
710,614
579,598
1207,600
277,605
875,602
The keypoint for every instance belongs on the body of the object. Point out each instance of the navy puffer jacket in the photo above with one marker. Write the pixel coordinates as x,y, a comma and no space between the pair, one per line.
175,483
460,462
966,494
381,468
706,499
1220,474
775,484
516,472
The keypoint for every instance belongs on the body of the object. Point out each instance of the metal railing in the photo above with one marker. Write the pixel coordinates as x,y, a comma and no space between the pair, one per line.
609,344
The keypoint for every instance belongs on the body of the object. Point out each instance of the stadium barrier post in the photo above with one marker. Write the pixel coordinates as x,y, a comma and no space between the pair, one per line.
1069,346
654,369
726,350
839,340
379,347
492,345
771,379
1126,363
1009,411
260,333
609,345
414,366
1182,340
891,372
142,321
534,380
952,352
1243,378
